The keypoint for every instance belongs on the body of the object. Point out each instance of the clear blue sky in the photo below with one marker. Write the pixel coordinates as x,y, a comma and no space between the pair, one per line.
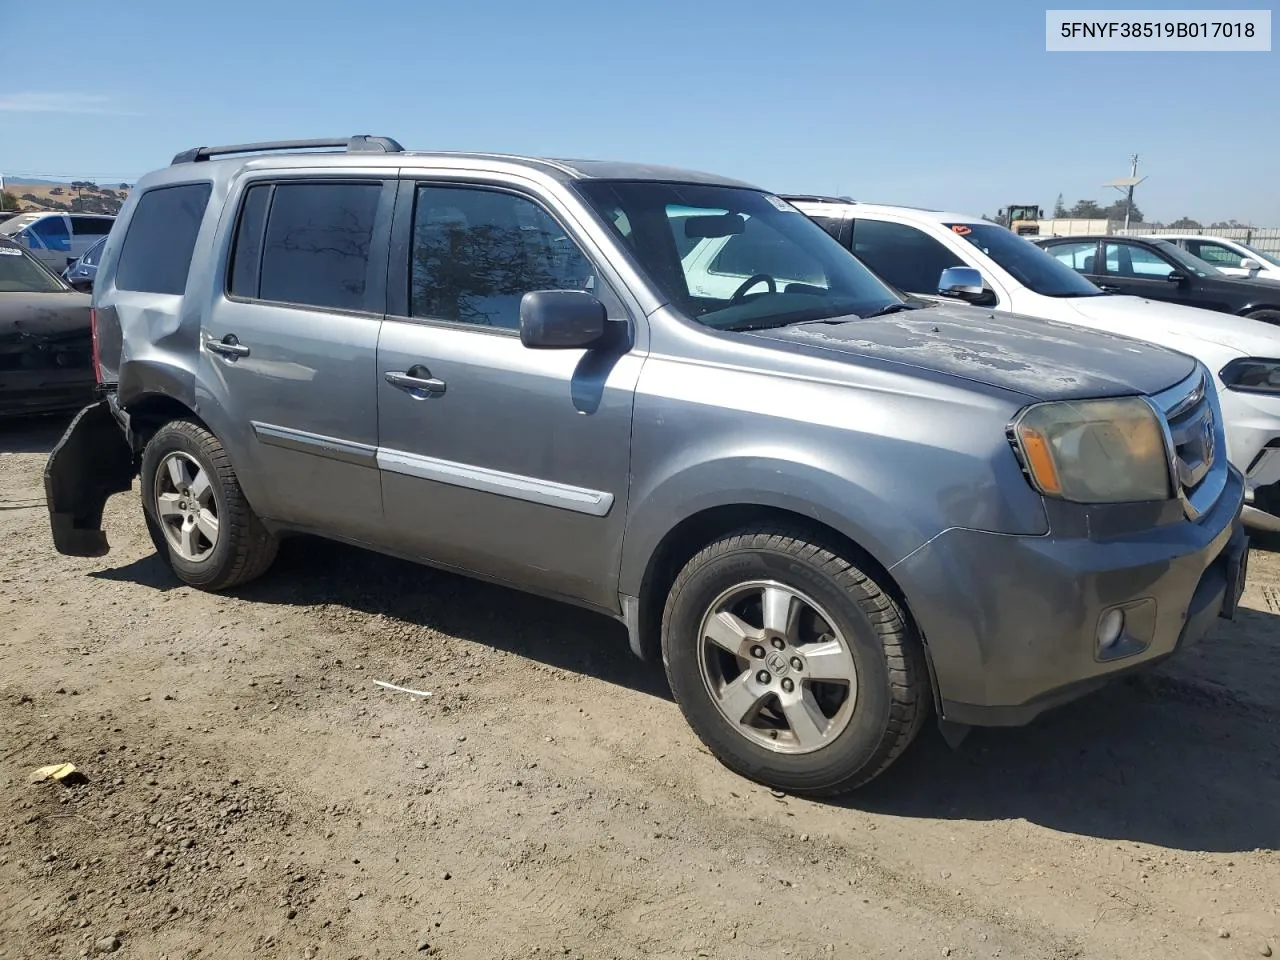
932,103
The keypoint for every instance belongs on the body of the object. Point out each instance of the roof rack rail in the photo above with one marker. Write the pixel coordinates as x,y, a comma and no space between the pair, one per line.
815,197
357,144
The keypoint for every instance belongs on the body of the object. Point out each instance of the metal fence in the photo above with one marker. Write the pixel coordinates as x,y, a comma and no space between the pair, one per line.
1266,239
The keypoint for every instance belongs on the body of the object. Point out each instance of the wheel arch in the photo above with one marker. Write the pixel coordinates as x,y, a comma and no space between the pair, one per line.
150,410
1253,308
698,529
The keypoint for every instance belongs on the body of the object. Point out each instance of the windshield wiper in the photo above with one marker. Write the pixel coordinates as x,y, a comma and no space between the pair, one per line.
889,308
747,325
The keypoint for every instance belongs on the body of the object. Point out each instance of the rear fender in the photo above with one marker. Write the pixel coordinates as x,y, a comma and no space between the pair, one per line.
91,462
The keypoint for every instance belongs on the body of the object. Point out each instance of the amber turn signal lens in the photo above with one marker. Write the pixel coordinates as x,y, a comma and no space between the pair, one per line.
1040,461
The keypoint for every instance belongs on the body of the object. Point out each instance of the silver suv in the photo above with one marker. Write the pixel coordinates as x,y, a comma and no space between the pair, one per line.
829,512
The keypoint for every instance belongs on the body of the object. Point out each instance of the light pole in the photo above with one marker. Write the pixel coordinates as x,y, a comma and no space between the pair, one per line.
1125,185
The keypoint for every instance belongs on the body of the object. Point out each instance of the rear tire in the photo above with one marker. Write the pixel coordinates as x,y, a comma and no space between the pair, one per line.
196,513
847,688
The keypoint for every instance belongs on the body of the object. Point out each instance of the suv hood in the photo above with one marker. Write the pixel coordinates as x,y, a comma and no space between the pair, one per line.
1041,359
1149,317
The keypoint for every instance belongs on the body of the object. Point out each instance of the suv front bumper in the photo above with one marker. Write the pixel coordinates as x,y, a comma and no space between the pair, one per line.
1012,623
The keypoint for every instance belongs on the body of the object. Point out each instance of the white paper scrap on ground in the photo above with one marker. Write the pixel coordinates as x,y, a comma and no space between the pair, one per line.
392,686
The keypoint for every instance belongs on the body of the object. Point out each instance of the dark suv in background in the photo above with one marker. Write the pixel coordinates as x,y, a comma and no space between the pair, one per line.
1161,270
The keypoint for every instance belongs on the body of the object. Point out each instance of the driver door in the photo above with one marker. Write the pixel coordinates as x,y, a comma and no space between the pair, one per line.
1140,272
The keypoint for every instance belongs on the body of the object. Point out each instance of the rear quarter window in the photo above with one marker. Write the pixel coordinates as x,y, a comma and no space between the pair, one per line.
91,226
161,238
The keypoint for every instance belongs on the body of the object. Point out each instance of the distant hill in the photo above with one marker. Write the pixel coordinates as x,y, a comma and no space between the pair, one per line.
30,181
80,196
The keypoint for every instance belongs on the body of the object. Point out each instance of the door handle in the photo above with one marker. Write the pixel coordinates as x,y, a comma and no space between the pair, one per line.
417,380
229,346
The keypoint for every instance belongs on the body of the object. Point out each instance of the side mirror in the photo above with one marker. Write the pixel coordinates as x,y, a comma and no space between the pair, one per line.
963,283
1177,277
1250,265
561,320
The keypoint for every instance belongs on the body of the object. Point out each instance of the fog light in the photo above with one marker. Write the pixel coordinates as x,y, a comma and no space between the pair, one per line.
1110,627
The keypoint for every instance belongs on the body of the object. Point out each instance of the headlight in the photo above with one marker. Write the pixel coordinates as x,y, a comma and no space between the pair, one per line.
1252,375
1094,451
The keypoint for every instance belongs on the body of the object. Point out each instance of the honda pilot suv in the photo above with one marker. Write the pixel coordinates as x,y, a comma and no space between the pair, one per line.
829,511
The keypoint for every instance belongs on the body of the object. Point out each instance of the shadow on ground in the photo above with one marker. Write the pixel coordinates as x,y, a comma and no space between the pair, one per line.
1170,759
309,572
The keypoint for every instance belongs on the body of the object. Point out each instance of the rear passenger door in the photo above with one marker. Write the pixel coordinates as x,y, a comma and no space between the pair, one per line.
513,463
1081,256
288,349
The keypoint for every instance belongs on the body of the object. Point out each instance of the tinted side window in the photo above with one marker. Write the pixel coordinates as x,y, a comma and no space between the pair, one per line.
830,224
907,258
1127,260
1079,255
94,253
160,239
247,252
1214,253
316,248
53,233
90,226
477,252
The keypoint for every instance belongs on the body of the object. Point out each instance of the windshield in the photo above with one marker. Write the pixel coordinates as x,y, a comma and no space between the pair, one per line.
1258,255
1192,264
19,273
1034,268
734,258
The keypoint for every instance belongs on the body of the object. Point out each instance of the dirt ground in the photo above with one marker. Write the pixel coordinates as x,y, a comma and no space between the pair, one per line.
252,792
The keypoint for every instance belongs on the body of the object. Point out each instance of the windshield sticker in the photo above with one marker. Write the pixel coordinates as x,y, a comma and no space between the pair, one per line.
961,229
780,204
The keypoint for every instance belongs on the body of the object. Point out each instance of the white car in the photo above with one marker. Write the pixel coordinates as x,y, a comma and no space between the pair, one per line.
57,239
1232,257
911,248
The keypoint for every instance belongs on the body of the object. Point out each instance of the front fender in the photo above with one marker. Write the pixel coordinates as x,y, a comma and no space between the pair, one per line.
878,516
754,481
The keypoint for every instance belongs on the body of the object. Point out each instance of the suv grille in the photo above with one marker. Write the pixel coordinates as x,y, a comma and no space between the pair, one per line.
1194,437
1191,425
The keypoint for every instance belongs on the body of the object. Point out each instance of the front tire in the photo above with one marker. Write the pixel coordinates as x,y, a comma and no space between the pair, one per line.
793,666
196,513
